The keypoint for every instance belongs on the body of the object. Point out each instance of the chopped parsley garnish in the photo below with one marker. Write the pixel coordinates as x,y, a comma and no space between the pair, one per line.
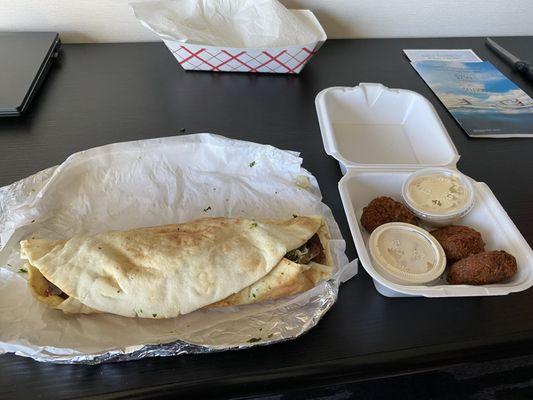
254,339
32,221
251,164
294,216
253,294
253,225
269,336
154,315
182,130
23,270
207,209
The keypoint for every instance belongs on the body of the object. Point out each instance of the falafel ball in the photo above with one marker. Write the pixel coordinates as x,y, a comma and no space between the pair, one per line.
483,268
459,241
382,210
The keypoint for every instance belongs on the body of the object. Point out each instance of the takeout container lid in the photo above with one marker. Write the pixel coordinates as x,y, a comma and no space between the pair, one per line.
285,60
380,136
372,126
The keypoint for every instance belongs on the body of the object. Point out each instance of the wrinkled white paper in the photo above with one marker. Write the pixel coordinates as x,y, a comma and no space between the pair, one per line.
230,23
147,183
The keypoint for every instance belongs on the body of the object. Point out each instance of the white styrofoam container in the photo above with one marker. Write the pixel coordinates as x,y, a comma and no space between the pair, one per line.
380,136
284,60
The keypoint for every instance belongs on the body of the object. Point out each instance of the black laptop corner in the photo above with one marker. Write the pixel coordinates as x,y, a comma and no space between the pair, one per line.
25,58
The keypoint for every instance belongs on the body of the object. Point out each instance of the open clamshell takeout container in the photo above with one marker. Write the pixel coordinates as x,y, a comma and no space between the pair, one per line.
380,136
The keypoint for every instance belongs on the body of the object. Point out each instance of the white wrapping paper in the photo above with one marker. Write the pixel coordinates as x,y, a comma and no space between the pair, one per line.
229,23
146,183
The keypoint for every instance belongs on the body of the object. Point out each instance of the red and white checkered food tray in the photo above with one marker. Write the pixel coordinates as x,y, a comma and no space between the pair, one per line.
284,60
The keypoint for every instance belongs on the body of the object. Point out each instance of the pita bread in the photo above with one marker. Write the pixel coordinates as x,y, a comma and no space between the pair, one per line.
165,271
286,279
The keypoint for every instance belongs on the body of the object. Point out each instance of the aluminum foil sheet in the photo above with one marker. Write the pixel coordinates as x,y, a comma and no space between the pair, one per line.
147,183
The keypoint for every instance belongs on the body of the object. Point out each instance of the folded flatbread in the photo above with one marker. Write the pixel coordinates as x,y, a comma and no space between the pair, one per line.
166,271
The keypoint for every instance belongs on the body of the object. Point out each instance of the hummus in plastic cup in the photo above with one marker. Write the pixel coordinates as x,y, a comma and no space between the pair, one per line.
406,254
438,196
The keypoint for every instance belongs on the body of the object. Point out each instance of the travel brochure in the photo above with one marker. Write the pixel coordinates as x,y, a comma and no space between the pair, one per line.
482,100
465,55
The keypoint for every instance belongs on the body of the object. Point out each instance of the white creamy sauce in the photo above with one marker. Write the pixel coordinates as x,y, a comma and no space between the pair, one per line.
437,193
406,251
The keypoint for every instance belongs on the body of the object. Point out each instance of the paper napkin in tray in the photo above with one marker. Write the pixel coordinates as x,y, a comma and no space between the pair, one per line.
229,23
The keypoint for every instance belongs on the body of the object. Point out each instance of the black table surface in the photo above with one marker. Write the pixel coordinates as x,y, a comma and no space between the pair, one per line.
103,93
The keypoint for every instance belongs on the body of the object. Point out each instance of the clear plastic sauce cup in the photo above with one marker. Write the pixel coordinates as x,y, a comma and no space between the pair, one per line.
406,254
438,196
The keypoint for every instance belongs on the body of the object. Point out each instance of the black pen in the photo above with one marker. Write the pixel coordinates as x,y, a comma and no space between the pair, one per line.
521,66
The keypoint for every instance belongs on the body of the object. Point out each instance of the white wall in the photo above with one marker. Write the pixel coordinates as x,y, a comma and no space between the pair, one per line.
113,20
